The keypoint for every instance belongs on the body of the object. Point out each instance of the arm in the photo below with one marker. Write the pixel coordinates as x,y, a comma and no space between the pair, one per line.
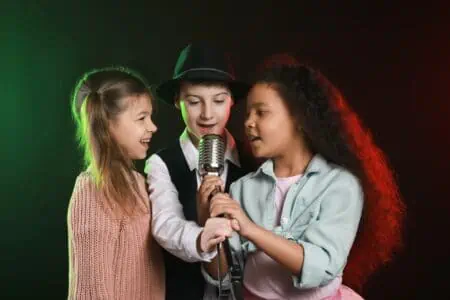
210,270
169,225
286,252
328,239
92,236
320,254
212,266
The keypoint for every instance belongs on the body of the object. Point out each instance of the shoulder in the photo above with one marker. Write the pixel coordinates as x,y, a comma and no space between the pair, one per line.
340,177
325,174
249,178
153,162
84,184
85,196
340,189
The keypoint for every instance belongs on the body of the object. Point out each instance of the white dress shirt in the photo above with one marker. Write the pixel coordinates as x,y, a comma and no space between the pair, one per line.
169,225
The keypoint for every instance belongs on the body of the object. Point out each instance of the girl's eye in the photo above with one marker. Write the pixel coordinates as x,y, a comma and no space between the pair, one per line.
261,112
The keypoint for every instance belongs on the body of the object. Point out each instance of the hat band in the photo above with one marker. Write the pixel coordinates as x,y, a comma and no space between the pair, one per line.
204,69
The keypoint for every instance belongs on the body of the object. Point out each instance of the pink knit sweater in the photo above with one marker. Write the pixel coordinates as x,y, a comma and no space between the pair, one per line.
110,257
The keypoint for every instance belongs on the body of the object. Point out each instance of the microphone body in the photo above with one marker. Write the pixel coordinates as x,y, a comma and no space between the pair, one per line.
211,160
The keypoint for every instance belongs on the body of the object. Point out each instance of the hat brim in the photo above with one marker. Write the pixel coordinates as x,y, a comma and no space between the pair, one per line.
166,91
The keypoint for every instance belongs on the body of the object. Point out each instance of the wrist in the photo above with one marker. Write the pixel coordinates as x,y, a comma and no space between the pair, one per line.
202,217
199,243
251,231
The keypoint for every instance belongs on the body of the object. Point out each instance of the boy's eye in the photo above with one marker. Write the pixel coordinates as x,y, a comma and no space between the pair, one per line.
219,100
192,102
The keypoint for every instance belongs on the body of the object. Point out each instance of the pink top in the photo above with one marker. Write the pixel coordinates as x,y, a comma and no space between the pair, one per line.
267,279
111,257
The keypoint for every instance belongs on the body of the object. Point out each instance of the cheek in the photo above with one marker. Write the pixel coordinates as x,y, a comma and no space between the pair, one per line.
272,129
223,114
190,114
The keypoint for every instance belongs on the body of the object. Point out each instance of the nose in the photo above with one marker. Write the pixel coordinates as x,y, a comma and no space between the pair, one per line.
249,122
206,113
152,127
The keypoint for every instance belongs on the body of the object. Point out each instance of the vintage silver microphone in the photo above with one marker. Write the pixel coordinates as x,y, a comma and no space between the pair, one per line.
211,161
211,155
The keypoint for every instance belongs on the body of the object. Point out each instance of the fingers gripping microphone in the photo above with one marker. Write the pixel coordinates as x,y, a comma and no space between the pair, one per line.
211,161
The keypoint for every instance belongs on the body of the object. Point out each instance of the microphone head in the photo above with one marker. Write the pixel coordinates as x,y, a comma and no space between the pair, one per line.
211,150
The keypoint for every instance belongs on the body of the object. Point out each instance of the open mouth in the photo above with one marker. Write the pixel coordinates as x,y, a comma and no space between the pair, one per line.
206,127
145,142
253,138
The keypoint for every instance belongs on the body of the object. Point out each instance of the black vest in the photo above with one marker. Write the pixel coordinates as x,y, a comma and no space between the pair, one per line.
184,280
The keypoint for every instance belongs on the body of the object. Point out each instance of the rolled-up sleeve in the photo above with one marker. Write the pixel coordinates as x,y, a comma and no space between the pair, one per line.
327,241
169,225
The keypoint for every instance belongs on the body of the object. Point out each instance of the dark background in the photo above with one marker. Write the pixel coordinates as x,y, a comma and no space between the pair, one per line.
391,61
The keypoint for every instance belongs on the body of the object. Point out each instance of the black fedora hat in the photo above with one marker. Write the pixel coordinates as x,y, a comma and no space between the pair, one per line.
201,62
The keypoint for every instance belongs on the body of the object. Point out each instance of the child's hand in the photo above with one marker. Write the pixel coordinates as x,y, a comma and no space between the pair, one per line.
209,183
214,232
222,204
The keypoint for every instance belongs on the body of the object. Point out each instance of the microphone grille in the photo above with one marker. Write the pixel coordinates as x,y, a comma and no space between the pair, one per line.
211,150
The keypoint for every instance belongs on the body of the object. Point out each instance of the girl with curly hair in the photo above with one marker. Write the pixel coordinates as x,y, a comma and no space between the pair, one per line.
324,208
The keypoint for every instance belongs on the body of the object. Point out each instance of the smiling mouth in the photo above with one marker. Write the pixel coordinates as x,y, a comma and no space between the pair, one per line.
146,141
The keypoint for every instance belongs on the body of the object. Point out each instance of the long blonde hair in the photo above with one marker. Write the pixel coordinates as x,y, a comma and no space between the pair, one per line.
98,99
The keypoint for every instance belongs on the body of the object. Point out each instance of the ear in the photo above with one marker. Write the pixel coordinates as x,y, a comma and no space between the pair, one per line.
176,99
177,102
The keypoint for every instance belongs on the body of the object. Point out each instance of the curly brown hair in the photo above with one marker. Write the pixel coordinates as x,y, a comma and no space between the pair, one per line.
332,129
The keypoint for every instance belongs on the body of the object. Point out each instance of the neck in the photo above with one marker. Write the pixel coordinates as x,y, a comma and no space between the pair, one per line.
193,139
293,162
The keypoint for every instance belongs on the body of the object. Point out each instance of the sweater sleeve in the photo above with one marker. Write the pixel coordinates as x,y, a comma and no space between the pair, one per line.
91,240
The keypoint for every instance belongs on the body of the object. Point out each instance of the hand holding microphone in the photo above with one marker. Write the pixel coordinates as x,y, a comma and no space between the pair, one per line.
216,230
208,187
211,162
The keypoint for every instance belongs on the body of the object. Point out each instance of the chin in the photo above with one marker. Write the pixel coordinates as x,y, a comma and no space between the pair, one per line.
261,153
139,156
256,153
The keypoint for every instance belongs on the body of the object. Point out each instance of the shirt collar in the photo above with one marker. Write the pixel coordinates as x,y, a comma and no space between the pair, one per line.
316,165
191,153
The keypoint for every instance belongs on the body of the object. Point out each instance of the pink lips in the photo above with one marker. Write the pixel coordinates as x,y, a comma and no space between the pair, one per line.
205,128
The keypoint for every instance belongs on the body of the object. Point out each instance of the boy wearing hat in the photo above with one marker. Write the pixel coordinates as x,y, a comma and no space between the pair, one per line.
204,89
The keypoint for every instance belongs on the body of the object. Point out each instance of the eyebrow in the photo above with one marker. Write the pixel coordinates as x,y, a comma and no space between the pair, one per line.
198,96
258,104
222,93
143,112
